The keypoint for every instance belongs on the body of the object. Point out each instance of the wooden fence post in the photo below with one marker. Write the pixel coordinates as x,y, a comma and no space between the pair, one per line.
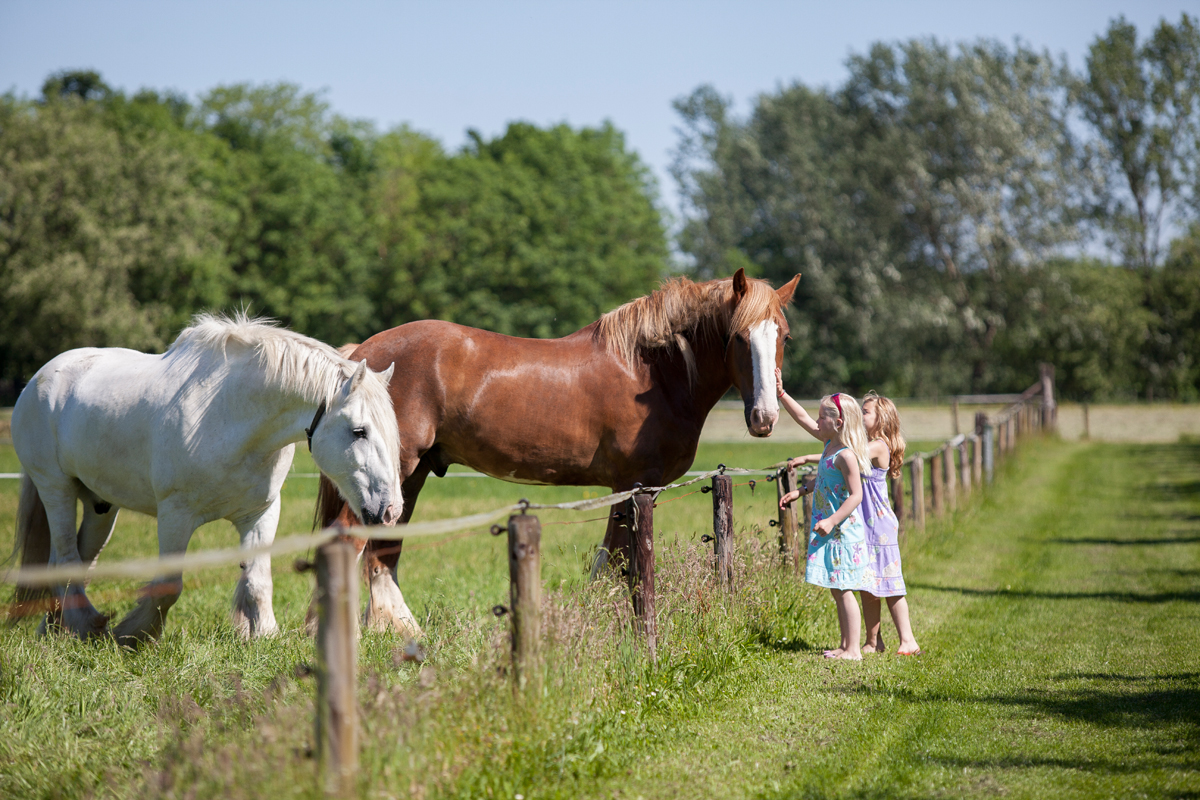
964,467
640,509
951,502
1049,407
937,484
989,451
337,659
785,481
896,490
525,596
722,497
977,460
917,474
807,507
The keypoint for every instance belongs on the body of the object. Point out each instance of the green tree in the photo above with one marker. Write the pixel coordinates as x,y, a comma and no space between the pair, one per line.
903,198
534,233
1171,358
103,240
299,246
1142,103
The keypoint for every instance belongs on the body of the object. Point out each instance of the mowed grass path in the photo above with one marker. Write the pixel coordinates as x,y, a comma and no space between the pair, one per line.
1058,615
1059,621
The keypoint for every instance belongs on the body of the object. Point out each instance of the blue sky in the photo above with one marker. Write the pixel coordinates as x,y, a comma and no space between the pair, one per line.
447,66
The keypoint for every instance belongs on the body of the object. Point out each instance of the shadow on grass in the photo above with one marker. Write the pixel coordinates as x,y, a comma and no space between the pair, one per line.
1147,702
766,640
1127,542
1120,597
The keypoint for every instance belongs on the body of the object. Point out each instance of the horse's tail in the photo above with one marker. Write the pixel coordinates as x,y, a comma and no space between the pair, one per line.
329,504
33,545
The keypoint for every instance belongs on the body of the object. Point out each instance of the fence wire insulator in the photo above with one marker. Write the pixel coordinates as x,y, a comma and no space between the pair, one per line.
771,478
618,515
773,522
496,530
301,565
706,538
524,504
499,610
721,468
752,482
705,489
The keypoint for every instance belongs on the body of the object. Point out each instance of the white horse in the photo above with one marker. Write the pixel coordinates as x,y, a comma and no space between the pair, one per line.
205,431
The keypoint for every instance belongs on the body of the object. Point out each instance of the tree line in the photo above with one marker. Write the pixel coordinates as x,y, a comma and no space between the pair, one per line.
958,213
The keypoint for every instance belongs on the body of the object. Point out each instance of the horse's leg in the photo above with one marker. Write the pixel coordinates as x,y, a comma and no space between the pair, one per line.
145,621
75,613
616,547
99,519
253,614
386,609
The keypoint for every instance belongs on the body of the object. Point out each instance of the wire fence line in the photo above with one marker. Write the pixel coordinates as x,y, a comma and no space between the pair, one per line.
147,568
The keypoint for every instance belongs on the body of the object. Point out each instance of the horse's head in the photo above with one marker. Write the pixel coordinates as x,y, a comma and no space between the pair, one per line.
758,330
357,445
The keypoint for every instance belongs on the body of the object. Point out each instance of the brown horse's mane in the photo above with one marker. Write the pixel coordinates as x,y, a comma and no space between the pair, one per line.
663,318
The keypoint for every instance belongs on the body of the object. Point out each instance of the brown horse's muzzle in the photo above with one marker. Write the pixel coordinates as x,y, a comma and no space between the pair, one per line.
761,421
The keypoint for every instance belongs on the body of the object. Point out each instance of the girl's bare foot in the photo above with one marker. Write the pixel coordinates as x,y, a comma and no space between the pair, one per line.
835,652
875,647
847,656
908,647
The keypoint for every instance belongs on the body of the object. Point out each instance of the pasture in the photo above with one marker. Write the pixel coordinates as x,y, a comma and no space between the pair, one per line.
1049,610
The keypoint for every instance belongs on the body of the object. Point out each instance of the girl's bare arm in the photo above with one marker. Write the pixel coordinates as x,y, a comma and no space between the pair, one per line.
879,453
811,458
793,408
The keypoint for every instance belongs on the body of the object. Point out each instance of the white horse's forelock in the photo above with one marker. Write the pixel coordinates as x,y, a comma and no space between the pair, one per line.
294,363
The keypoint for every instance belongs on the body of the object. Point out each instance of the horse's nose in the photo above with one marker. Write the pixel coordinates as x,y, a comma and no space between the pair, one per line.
762,421
391,514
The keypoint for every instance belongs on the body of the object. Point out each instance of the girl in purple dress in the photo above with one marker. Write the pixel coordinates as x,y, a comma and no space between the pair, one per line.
883,577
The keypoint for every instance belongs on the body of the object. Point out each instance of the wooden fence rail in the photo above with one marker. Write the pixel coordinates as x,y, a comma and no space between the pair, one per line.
962,464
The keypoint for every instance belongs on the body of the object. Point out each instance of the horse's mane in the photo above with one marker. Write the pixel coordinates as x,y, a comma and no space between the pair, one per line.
292,362
663,318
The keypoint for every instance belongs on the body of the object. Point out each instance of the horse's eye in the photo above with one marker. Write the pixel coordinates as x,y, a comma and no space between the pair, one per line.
360,433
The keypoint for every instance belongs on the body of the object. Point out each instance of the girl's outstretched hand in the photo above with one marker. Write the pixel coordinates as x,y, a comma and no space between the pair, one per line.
811,458
824,527
778,382
788,498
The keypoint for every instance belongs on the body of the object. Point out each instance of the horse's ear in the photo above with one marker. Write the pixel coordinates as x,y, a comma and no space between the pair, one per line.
786,291
740,286
359,372
387,373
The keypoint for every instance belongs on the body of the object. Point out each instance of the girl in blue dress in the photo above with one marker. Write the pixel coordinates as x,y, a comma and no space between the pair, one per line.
837,550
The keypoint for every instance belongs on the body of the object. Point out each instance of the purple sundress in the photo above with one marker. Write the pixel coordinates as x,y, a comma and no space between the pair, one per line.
882,577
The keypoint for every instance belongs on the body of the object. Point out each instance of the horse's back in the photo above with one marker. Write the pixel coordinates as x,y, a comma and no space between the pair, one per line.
87,414
535,410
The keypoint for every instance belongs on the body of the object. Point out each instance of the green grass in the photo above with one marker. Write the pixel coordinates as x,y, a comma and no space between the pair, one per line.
1057,615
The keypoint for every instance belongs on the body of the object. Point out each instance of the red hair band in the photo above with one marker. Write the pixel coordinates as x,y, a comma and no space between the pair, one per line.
838,403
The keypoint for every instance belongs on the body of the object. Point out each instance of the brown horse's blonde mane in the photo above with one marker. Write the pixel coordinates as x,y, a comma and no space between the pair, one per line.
663,318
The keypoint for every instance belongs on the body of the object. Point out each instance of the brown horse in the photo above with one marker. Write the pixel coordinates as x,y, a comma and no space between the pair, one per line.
618,403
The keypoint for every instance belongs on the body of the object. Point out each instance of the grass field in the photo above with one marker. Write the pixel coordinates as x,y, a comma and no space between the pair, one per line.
1056,614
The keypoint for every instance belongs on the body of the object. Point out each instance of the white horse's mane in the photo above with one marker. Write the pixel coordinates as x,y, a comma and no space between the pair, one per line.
292,362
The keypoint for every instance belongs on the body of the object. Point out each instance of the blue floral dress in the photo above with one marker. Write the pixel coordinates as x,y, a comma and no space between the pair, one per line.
839,560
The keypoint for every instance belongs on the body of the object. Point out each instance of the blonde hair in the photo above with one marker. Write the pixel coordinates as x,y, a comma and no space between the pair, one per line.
889,430
852,433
